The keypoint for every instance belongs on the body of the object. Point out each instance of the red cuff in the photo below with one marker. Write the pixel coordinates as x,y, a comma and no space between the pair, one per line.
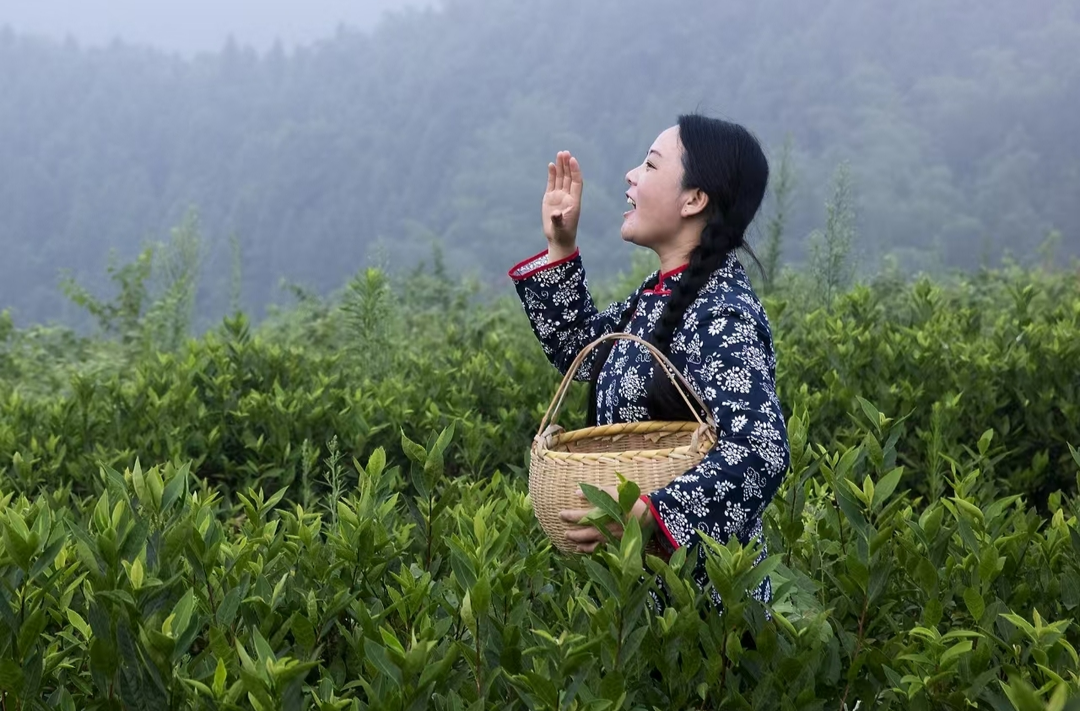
656,515
549,265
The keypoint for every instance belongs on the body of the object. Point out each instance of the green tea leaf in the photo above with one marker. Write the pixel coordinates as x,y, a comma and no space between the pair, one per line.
462,568
1022,695
602,575
1025,626
16,539
1070,589
954,652
413,451
376,463
466,613
11,676
871,412
379,659
78,623
974,602
851,510
220,677
481,595
433,462
136,573
887,485
967,507
629,494
229,606
176,488
32,627
303,631
103,656
262,647
274,499
603,501
181,614
613,688
990,563
138,481
932,612
155,486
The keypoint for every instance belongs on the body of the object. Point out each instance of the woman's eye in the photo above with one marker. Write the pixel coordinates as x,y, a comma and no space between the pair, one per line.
650,165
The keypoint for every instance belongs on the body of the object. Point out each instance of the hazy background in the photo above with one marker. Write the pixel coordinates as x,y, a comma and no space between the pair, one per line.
356,139
193,26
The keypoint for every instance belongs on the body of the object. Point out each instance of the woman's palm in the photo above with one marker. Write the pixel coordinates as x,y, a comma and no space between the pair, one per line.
561,206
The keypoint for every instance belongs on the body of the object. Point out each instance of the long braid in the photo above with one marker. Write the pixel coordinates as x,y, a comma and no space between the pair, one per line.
718,240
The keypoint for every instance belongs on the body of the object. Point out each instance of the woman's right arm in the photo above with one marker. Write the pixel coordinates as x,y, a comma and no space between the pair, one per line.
556,298
552,285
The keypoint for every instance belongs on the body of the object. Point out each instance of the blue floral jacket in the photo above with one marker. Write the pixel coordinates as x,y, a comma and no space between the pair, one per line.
724,348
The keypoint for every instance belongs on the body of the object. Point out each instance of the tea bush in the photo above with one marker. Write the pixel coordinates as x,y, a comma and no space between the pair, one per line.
995,350
413,589
924,559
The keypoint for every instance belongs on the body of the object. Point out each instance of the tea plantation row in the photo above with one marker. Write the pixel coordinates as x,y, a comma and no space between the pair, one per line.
330,511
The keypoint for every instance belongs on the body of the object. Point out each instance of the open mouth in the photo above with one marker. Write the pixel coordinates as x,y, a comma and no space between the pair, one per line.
632,204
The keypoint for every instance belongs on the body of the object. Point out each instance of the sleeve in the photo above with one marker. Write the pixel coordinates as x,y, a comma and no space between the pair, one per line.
727,356
556,299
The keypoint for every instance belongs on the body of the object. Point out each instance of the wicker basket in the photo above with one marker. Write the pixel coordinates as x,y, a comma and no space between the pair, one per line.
650,453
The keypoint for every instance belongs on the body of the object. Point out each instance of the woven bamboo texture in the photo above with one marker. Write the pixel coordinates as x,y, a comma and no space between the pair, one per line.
650,453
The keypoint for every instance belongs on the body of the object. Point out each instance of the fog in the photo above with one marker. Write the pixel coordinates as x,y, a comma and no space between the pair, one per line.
383,142
193,26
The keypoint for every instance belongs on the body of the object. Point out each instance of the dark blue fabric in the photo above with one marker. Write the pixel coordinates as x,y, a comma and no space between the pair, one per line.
724,348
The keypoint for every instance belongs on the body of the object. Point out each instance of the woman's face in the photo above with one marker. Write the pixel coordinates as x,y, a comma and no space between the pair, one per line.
656,194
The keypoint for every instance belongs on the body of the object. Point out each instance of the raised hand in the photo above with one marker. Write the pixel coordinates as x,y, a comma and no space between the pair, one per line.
562,205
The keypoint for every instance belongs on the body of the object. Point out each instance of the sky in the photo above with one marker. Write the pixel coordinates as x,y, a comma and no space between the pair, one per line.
191,26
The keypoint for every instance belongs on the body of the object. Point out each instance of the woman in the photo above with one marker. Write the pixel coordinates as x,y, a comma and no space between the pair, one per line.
691,200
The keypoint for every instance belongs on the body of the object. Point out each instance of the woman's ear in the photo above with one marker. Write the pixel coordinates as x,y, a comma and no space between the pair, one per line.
696,203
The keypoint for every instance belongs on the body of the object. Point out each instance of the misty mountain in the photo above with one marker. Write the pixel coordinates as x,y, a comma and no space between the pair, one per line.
196,25
956,117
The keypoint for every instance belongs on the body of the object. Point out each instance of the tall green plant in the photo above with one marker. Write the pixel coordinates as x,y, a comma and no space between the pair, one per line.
367,307
176,267
782,189
832,267
122,317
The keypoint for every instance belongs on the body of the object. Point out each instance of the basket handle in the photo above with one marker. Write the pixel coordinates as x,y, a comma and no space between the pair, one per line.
661,359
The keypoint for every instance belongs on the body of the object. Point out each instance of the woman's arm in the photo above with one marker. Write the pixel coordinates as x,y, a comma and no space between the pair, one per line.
552,285
556,299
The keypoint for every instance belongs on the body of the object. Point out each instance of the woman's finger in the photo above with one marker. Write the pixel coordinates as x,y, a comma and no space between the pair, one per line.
584,535
551,177
566,172
576,183
573,515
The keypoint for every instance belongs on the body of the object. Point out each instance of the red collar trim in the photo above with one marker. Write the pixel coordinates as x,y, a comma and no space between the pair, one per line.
673,272
660,288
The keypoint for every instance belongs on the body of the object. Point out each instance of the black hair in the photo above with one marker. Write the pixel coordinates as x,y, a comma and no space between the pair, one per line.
726,162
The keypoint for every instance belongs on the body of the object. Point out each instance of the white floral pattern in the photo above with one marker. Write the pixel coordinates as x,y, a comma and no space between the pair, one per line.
724,348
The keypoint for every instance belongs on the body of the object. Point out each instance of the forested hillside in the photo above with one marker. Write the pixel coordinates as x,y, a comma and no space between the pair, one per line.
957,118
193,26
